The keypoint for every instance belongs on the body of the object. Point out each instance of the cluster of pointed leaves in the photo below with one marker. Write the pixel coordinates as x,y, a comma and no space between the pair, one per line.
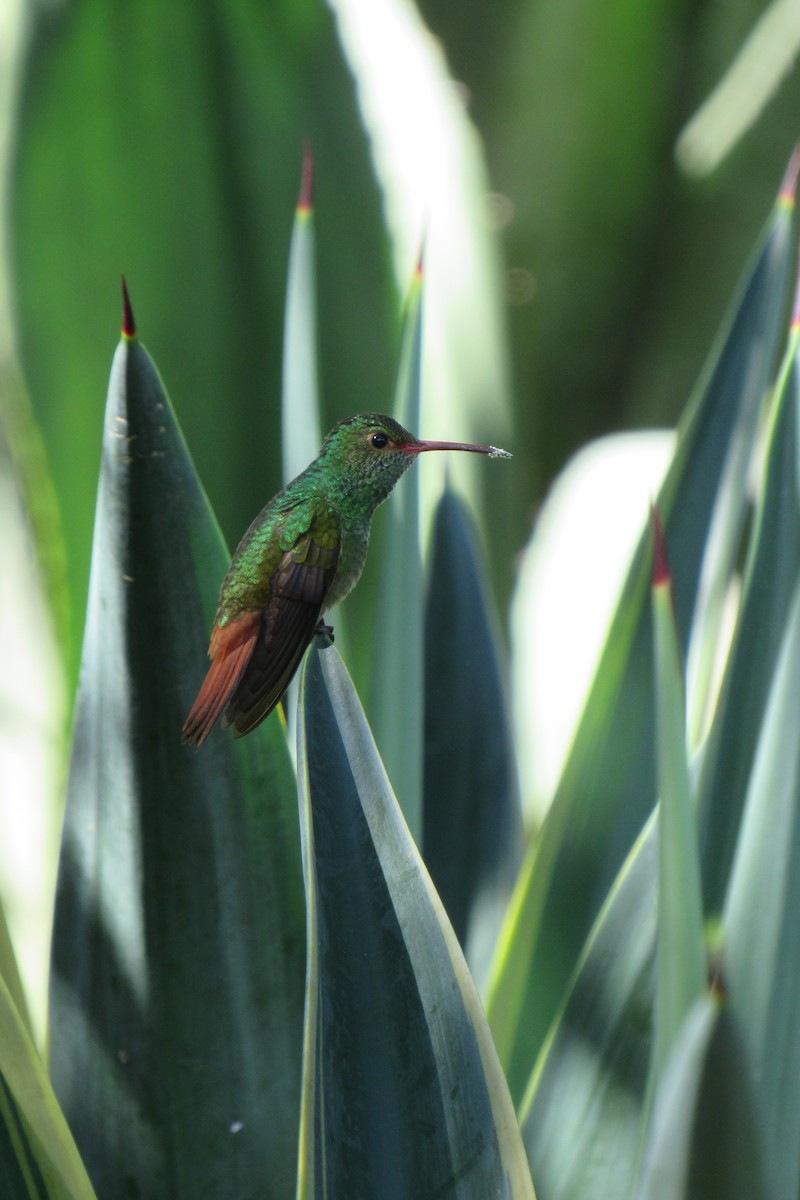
650,1056
179,976
210,1033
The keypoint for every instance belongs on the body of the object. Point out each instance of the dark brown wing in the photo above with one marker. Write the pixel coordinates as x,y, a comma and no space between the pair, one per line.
299,587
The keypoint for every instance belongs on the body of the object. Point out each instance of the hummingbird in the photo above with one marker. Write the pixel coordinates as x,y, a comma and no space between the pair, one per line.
302,554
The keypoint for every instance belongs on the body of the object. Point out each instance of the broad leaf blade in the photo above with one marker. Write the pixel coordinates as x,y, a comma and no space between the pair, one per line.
608,785
472,826
177,976
403,1092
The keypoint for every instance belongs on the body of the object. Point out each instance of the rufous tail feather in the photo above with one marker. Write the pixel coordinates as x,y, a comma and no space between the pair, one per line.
230,650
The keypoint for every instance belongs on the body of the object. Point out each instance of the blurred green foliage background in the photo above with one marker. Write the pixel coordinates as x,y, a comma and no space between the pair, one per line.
166,142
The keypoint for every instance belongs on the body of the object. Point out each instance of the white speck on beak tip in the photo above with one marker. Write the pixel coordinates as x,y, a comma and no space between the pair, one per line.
496,452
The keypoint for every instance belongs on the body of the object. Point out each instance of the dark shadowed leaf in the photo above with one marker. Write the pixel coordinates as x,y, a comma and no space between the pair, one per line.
403,1093
177,969
472,826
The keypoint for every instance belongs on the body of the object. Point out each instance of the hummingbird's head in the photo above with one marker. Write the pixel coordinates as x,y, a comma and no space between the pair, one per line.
371,451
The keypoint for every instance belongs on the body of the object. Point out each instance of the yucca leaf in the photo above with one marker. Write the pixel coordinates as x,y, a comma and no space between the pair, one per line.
38,1157
767,594
762,953
177,972
704,1142
608,785
581,1115
397,670
681,947
724,538
472,826
403,1095
593,1102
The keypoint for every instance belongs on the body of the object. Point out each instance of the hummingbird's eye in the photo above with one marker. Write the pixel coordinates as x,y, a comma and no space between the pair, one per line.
379,440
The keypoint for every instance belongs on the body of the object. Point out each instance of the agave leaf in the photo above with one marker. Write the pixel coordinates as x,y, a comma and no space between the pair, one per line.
681,944
608,785
472,826
397,702
759,920
403,1094
177,971
725,532
704,1140
37,1154
581,1115
597,1097
767,595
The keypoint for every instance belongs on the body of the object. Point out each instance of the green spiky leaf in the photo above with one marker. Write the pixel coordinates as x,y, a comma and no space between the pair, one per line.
472,828
608,785
177,971
403,1094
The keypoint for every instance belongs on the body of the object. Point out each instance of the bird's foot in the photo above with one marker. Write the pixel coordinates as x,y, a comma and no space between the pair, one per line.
324,631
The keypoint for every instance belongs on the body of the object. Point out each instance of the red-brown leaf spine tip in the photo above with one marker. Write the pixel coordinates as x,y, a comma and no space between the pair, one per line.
661,572
305,201
128,323
788,188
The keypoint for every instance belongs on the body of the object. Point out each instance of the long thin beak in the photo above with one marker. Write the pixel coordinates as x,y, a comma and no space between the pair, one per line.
422,447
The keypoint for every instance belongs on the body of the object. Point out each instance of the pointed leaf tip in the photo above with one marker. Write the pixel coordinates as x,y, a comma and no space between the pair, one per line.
788,188
128,322
305,201
661,572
